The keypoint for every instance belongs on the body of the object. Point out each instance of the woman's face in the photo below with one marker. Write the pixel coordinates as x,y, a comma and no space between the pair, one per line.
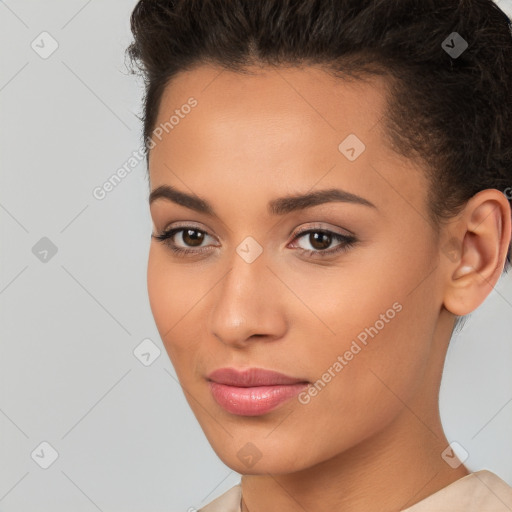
349,307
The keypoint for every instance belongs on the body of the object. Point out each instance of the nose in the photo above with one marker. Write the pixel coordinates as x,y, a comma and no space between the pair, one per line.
247,304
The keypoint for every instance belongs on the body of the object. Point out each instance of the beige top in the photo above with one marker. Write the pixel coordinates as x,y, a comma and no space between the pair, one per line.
482,491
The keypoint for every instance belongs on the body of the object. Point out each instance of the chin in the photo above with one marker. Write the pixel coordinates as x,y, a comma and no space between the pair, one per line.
249,455
274,464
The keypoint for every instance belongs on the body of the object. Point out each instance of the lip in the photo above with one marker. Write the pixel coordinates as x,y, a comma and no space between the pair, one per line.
254,391
251,377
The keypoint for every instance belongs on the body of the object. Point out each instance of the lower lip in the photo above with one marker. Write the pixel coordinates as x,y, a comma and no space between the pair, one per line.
255,400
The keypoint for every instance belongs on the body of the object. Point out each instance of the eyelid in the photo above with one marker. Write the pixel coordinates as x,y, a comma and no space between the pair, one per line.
187,224
183,224
322,227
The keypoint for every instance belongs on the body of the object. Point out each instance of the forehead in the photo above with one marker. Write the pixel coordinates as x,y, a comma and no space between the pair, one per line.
276,127
308,94
289,109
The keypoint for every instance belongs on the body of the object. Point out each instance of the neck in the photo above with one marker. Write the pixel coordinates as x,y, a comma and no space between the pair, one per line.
388,473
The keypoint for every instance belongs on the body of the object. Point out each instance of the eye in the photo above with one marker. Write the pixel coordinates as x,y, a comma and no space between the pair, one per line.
321,241
190,237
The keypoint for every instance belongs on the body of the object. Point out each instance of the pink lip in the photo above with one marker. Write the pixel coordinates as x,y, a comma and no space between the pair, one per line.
254,391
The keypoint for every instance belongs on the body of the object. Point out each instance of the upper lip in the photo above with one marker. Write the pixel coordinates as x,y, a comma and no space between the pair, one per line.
251,377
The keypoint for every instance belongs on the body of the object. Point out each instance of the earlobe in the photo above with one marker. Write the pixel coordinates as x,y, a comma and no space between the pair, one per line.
478,250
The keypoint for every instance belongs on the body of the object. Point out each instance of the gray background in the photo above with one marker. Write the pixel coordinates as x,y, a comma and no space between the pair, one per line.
125,437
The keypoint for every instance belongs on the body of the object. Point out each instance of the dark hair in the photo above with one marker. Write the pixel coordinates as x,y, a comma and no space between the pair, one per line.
453,113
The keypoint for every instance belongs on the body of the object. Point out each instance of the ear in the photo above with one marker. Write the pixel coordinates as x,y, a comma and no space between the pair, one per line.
476,250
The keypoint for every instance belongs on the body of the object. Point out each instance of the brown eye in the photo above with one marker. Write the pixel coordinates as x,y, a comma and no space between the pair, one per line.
192,237
186,240
320,240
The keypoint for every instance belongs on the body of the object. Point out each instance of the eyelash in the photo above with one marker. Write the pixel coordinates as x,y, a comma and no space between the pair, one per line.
347,241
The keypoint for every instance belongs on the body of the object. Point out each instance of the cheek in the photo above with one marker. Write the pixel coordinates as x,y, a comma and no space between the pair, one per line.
373,341
365,391
161,299
173,295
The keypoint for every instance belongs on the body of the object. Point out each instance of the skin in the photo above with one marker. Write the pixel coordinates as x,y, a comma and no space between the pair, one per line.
251,139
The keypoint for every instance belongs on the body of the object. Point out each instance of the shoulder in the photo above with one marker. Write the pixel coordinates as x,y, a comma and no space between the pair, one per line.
476,492
227,502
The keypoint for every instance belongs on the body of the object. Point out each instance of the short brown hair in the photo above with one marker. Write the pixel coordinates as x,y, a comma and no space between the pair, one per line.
452,112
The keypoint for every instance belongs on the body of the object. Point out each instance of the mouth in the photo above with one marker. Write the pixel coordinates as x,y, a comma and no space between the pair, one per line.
252,392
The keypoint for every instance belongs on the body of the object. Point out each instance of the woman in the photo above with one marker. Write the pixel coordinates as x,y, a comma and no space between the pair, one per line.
330,195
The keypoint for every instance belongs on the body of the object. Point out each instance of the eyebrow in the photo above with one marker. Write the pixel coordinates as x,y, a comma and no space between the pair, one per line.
279,206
